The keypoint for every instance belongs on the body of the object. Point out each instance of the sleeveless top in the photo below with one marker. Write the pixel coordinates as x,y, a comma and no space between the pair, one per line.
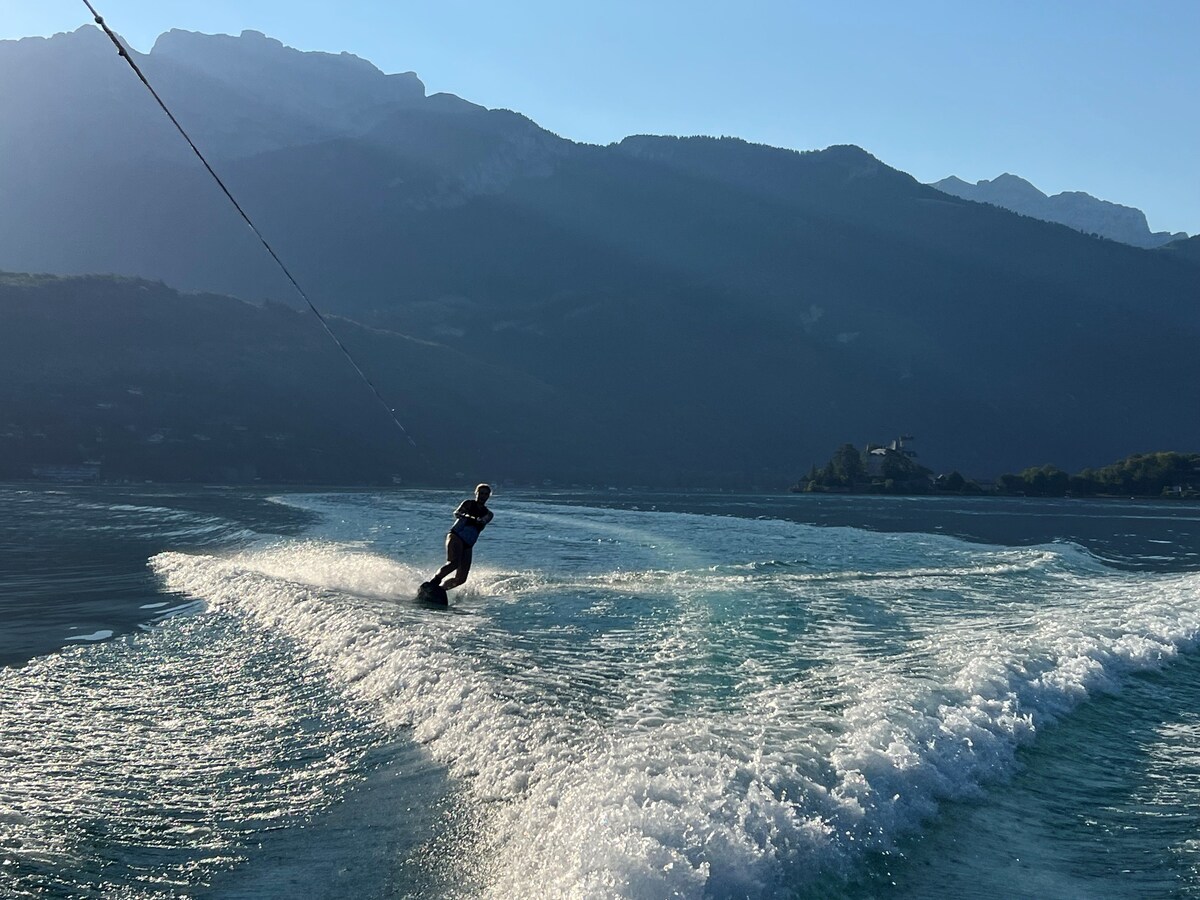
468,530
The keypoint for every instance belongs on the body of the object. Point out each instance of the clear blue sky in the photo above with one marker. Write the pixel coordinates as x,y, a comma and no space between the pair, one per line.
1092,95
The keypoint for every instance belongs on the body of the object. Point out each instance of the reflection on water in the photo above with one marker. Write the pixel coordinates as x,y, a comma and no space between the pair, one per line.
73,561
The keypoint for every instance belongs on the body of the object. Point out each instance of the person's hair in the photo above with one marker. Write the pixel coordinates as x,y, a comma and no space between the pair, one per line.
483,487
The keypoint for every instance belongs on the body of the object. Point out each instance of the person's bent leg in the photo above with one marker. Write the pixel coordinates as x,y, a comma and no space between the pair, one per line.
454,554
464,568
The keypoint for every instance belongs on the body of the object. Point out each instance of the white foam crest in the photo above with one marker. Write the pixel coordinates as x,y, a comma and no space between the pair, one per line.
798,780
332,566
408,668
403,663
680,810
688,806
908,744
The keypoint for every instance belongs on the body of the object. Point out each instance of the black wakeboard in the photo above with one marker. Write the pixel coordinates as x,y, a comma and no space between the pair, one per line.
433,594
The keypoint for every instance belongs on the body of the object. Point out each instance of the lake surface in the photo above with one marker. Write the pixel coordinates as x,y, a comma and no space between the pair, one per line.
228,693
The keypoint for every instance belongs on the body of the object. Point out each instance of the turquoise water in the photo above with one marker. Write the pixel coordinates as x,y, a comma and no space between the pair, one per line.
228,694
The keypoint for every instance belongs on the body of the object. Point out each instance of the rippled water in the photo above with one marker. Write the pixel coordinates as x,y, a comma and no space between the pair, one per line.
212,693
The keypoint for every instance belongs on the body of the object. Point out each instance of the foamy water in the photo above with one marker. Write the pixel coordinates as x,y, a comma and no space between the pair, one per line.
622,703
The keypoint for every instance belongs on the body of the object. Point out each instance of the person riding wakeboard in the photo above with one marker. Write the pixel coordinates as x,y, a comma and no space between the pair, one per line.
471,517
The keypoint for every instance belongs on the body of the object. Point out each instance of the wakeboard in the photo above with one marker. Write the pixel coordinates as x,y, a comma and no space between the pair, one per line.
432,593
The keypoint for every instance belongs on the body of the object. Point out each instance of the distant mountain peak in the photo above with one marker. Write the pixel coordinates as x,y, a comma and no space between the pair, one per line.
174,38
195,46
952,184
254,55
1014,185
1075,209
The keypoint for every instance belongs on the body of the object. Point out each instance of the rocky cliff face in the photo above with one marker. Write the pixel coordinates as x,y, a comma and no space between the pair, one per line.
1074,209
258,79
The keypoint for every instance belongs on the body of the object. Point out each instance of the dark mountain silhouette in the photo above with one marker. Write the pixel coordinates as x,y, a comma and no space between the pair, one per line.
1187,248
1075,209
690,310
153,384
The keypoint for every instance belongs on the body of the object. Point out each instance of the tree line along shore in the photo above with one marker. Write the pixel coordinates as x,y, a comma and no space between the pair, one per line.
879,469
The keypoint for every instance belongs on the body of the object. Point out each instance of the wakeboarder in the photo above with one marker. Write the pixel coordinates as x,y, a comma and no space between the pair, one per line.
471,517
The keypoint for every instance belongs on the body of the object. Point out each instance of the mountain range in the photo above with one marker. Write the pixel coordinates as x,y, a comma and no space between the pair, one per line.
665,311
1074,209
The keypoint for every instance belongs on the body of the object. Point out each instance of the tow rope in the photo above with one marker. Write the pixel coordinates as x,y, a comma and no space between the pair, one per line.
275,256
